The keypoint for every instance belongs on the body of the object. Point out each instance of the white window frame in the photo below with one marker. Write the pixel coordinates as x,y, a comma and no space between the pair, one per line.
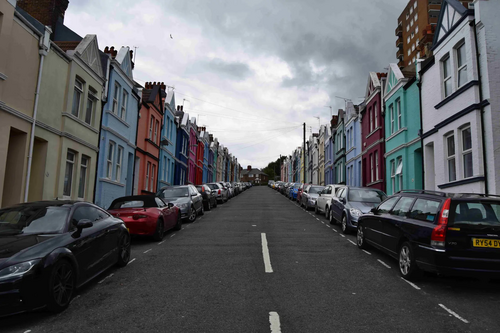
148,167
376,165
370,110
398,114
461,64
466,152
151,124
123,113
393,176
399,173
371,168
450,158
119,160
110,159
391,117
446,70
116,98
77,94
70,163
84,167
157,124
91,101
153,172
375,115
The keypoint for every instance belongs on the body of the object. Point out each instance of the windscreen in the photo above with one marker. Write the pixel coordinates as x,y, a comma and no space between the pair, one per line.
128,204
365,195
478,213
175,192
316,189
21,219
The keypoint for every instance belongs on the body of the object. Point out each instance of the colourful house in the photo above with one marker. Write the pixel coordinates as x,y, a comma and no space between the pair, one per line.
182,146
329,177
115,166
193,149
339,148
403,156
168,143
353,145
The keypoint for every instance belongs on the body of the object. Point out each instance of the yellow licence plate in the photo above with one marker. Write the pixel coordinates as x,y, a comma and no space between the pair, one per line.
481,242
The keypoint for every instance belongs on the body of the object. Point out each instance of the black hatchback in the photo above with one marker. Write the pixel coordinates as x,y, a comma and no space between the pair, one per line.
455,234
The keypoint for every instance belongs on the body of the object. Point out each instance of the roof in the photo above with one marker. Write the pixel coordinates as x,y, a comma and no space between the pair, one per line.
149,200
253,172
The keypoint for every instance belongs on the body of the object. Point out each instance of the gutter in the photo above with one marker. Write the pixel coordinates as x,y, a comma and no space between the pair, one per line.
44,48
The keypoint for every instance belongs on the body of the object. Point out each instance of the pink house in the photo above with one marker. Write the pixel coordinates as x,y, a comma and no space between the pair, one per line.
193,147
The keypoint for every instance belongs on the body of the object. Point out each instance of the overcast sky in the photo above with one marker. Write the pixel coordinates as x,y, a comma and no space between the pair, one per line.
252,71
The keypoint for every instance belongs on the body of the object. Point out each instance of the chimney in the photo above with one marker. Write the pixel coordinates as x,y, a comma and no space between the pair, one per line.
132,58
47,12
249,167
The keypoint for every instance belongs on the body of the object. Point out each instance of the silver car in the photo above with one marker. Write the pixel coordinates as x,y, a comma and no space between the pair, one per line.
186,197
324,200
310,195
222,194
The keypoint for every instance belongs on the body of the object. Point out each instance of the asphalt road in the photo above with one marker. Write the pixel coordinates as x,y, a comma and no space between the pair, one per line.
215,275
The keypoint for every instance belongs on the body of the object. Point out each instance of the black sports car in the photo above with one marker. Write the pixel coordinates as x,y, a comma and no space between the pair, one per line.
48,249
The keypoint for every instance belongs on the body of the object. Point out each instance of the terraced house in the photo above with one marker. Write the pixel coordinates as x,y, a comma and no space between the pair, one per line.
339,148
403,147
115,167
353,145
182,144
168,141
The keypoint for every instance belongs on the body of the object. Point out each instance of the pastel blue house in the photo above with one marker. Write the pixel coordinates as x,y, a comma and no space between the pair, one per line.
403,147
166,170
205,138
353,145
115,166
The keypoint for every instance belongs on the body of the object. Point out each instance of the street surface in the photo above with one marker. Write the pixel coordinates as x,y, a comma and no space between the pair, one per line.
218,275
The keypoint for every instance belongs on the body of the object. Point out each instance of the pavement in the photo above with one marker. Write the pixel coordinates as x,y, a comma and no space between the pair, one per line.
260,263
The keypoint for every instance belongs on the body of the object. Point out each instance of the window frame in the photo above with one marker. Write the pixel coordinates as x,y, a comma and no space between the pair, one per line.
398,114
123,108
393,176
72,168
148,167
110,162
466,152
392,119
77,91
446,75
151,124
452,157
461,68
119,162
84,169
116,98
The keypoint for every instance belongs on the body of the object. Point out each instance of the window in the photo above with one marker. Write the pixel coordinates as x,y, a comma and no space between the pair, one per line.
386,206
371,167
119,163
398,112
110,157
450,145
425,210
461,65
407,28
371,118
124,105
416,17
467,152
151,124
409,52
412,34
446,76
393,176
156,132
416,29
391,116
83,176
165,167
402,207
153,173
77,95
411,11
415,6
399,174
411,23
91,102
148,167
408,40
68,175
376,165
413,47
116,96
375,115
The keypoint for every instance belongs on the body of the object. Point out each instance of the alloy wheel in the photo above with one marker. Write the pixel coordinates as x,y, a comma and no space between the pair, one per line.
404,260
344,224
62,286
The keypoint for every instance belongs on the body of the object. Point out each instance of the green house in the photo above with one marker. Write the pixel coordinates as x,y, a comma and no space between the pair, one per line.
403,147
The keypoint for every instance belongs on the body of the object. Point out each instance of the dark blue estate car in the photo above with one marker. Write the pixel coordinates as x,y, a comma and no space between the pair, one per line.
456,234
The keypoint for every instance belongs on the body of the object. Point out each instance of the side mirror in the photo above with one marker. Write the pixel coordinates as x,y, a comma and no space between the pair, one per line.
374,210
319,194
84,223
343,200
170,205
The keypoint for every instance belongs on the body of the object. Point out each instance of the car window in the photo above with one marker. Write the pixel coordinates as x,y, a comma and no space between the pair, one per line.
425,210
128,204
174,192
403,206
366,195
386,206
339,192
476,213
46,220
159,202
86,212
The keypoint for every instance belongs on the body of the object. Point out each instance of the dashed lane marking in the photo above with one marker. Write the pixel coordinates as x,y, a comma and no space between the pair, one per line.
367,252
172,235
383,263
342,235
334,230
350,241
131,261
265,254
274,321
454,314
411,284
161,242
107,277
147,251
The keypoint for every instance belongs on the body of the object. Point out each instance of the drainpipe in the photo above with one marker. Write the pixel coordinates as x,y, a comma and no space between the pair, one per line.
421,132
483,139
44,47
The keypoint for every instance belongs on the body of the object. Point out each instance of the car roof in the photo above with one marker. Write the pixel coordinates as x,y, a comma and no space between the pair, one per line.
47,203
454,196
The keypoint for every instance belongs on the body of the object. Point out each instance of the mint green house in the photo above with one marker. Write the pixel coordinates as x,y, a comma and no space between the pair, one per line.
403,157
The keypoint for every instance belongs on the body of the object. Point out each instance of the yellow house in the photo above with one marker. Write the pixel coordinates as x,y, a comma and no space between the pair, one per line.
20,45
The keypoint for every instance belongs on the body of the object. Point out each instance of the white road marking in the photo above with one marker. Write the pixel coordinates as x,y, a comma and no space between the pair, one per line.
350,241
74,299
28,331
367,252
342,235
318,220
453,313
254,225
161,242
172,235
107,277
265,253
131,261
411,284
147,251
383,263
327,225
274,320
334,230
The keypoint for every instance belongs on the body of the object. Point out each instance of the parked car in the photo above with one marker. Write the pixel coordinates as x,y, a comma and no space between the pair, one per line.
49,249
220,190
230,189
324,200
299,193
186,197
310,195
146,215
295,190
352,202
455,234
209,197
270,183
226,189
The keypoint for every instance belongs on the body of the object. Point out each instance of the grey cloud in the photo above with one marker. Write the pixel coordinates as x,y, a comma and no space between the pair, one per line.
234,70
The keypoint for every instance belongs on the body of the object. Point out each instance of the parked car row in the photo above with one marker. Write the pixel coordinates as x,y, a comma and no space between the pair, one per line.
49,249
425,231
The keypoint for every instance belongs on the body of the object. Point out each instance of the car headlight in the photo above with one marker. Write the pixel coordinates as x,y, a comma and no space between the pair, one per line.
184,205
355,212
312,200
18,269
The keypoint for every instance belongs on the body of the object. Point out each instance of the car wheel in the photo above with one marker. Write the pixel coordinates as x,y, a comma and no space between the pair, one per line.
61,286
209,205
327,212
202,211
178,225
215,203
331,218
123,250
316,211
192,215
360,237
407,266
160,231
344,224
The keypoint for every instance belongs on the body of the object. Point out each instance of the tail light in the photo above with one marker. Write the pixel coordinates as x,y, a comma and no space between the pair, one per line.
202,189
219,191
139,216
438,236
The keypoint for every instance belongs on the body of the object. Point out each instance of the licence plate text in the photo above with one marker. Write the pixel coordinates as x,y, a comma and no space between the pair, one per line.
481,242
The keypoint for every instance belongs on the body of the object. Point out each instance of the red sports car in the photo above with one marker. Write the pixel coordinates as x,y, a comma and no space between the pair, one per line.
146,215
